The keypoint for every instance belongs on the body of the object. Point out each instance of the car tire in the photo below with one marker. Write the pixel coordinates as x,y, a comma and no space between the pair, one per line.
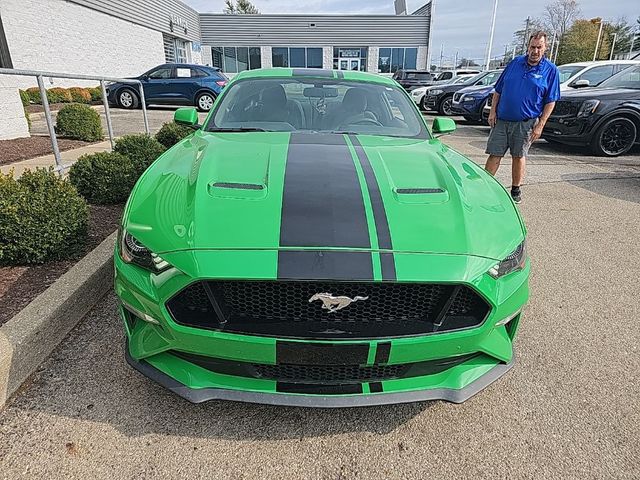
614,137
204,101
444,108
127,98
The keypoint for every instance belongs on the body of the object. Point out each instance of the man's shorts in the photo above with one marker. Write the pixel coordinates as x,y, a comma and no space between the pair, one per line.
515,136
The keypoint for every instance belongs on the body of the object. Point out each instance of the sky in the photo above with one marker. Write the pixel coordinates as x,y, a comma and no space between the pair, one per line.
461,25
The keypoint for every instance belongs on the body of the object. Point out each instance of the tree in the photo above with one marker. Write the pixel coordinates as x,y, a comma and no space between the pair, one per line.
558,17
580,42
466,62
623,33
242,7
521,37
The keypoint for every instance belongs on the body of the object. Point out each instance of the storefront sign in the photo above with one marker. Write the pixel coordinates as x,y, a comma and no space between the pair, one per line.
177,22
350,52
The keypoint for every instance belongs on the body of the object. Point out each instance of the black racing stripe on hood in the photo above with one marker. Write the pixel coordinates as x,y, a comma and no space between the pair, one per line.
379,213
322,204
324,265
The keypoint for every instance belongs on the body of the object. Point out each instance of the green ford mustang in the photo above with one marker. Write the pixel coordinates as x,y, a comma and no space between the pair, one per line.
313,244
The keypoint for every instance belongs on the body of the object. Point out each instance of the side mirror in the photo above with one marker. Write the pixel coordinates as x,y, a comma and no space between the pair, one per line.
443,125
187,116
581,84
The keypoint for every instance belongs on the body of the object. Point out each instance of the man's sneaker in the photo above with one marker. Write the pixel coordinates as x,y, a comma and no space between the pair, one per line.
516,195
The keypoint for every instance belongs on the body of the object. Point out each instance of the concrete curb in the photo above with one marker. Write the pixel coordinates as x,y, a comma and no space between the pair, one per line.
30,336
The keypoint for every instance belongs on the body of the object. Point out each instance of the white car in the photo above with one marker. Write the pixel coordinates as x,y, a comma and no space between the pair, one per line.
590,74
418,94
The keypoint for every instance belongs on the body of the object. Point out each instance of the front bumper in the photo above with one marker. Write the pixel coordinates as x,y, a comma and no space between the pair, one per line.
163,350
468,107
569,130
431,102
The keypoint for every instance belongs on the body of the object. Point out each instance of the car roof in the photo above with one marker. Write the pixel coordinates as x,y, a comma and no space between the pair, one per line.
187,65
314,73
599,62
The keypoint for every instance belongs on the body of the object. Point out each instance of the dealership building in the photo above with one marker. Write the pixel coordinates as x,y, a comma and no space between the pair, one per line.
124,38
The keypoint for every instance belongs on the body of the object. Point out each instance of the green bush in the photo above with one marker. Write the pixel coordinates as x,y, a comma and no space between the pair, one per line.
80,95
79,121
171,133
42,218
24,98
34,95
96,93
58,95
103,178
141,149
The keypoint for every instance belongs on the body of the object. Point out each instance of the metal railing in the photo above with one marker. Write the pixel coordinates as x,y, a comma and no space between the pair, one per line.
47,111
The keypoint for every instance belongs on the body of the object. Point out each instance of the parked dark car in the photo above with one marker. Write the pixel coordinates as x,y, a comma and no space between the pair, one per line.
171,84
410,79
470,101
606,118
441,98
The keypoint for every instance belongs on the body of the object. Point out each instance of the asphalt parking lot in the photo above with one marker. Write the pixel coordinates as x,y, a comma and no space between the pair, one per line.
569,409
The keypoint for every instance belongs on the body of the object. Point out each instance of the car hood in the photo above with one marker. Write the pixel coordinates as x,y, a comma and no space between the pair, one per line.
601,94
268,190
481,89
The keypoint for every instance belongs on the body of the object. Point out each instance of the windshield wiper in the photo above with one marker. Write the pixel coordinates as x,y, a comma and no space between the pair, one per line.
236,129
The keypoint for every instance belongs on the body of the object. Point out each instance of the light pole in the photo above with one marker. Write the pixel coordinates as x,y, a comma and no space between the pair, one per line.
613,45
493,26
595,52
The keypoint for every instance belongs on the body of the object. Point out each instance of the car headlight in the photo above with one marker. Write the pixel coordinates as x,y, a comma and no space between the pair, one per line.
437,91
588,107
515,261
132,251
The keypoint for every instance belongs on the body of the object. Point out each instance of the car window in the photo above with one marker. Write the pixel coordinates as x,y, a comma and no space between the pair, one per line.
309,104
197,73
618,67
568,71
628,78
596,75
418,76
183,72
489,79
164,72
445,76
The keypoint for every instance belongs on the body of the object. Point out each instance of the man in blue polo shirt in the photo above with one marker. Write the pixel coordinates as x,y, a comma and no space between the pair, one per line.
524,97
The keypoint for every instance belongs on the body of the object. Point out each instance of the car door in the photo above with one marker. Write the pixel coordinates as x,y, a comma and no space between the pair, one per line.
157,84
185,83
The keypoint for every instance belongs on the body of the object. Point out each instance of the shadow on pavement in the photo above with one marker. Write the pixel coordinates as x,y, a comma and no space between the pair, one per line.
621,186
87,379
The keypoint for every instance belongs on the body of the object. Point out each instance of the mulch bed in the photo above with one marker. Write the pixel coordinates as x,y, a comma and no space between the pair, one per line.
20,285
24,148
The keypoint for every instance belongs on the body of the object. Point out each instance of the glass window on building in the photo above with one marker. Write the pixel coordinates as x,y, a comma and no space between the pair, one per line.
296,57
391,60
182,55
235,59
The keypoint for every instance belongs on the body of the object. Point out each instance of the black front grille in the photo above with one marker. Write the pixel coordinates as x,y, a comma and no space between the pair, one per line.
330,373
564,108
323,374
283,309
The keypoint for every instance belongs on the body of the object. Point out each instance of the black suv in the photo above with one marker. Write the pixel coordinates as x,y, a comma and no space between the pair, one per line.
410,79
606,118
440,97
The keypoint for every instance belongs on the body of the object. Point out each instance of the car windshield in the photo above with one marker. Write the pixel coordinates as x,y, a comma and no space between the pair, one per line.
315,105
474,79
458,80
568,71
627,78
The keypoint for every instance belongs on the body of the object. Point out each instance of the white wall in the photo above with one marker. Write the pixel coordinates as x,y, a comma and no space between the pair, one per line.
422,58
12,121
373,55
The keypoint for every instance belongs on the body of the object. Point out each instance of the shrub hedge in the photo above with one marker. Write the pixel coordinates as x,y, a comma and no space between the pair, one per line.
80,122
171,133
141,149
96,93
42,218
103,178
80,95
58,95
34,95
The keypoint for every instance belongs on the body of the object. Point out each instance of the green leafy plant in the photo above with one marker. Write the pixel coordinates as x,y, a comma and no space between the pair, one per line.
58,95
34,95
80,122
42,218
24,97
104,177
141,149
80,95
171,133
96,93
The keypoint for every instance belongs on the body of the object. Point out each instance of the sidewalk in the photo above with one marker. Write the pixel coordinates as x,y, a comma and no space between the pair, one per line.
69,157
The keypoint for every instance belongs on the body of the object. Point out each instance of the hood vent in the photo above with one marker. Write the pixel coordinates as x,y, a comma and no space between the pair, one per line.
414,191
241,186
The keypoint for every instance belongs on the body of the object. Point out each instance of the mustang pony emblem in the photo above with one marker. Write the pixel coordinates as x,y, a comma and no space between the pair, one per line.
333,304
